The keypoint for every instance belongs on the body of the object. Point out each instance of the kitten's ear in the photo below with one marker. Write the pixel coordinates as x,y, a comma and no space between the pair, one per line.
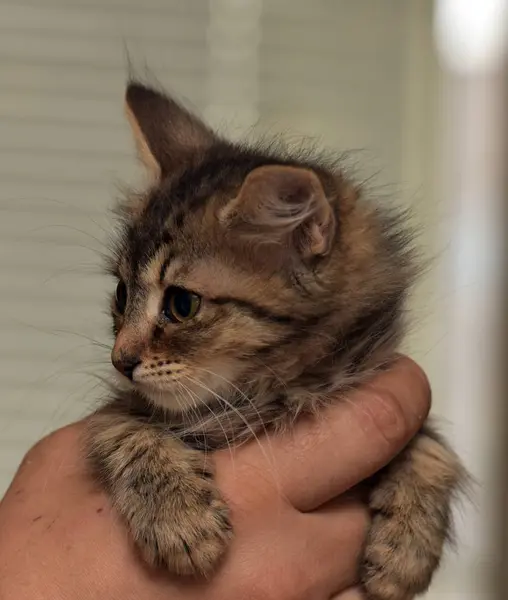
286,205
166,134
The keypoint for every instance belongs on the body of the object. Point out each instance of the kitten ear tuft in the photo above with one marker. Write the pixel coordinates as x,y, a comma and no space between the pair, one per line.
285,205
166,133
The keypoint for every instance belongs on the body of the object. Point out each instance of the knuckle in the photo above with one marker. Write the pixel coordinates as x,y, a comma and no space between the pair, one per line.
55,442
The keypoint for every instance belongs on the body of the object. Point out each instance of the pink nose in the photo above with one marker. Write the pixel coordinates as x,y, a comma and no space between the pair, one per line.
125,363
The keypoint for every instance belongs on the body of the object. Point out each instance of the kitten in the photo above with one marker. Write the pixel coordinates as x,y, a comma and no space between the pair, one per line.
258,285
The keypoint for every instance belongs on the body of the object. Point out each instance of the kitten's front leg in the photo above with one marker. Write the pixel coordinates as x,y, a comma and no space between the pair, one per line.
163,490
411,506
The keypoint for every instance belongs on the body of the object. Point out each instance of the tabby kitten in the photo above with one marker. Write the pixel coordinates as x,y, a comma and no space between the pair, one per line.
256,285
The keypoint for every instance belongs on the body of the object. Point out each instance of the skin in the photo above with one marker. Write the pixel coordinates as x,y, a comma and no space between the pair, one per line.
298,531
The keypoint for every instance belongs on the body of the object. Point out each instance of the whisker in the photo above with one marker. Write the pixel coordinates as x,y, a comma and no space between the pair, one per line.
192,407
101,243
215,417
270,459
201,425
224,413
247,399
199,420
84,336
277,377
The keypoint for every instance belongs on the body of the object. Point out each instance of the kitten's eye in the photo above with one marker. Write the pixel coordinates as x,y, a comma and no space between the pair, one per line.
121,297
180,305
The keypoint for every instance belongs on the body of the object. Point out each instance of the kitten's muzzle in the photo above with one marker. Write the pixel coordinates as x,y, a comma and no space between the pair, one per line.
125,363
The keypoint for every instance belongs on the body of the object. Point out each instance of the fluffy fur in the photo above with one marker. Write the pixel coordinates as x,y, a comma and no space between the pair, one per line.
302,286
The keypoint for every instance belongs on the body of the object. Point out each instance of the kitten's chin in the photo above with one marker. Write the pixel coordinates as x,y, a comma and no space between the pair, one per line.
174,399
166,399
170,398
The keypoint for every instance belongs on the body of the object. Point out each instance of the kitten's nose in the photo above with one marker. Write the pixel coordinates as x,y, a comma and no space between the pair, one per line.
125,363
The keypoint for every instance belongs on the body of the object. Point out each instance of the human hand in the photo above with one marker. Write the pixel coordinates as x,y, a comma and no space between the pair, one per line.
298,534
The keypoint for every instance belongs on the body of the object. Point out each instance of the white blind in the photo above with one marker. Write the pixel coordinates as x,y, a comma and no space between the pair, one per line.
337,69
64,146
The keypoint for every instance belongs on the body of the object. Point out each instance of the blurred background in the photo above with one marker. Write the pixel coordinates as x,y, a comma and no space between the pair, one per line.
414,89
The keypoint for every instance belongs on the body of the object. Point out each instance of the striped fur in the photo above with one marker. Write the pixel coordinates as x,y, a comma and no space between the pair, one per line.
302,285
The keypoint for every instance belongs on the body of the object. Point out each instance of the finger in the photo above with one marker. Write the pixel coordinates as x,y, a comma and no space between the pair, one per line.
348,441
351,594
315,553
354,438
337,533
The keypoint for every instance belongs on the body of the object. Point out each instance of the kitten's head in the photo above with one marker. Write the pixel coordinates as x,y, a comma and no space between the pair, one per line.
241,269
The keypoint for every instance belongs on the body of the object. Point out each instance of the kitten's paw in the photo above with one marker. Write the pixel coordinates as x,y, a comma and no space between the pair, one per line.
412,519
186,532
396,564
163,490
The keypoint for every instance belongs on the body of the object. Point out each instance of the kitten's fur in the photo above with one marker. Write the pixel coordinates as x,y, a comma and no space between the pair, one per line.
303,285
